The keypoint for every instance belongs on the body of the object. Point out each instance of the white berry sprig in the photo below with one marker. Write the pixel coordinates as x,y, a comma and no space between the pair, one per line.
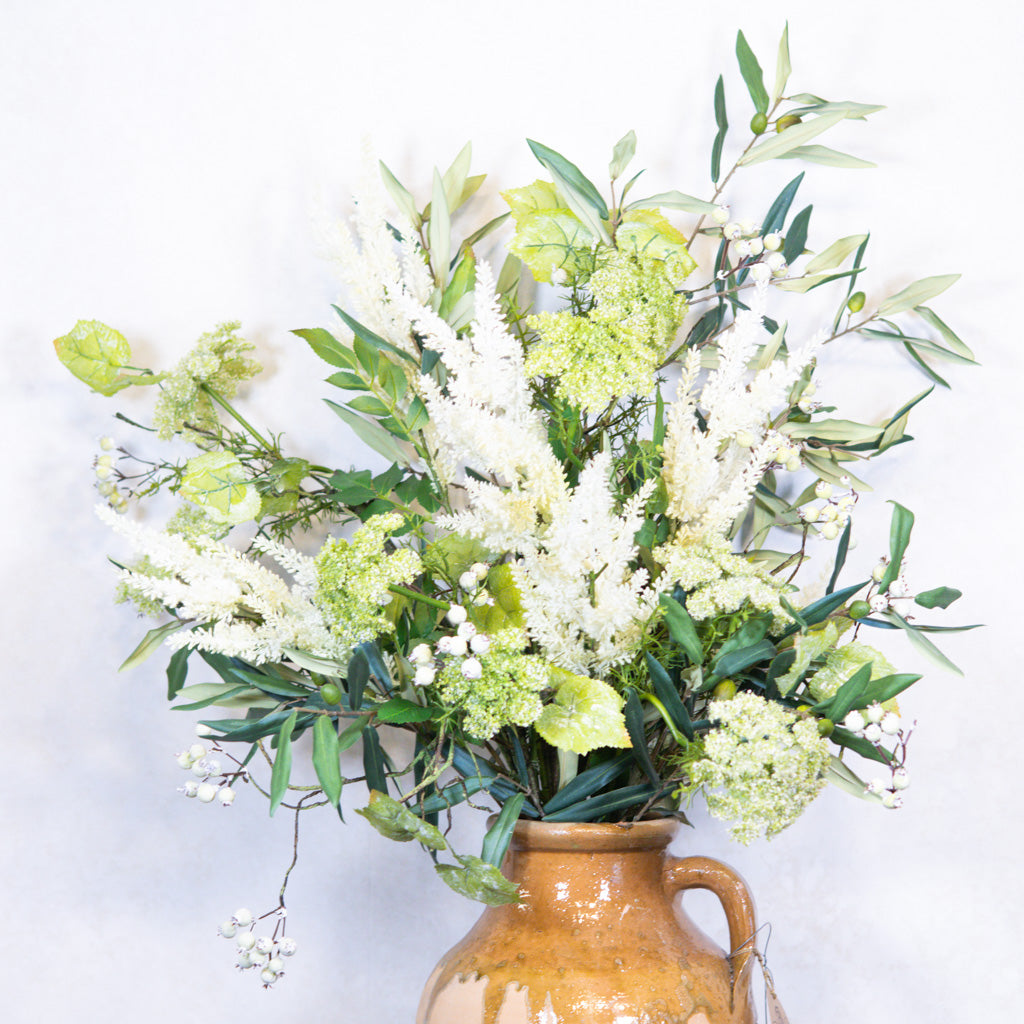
263,954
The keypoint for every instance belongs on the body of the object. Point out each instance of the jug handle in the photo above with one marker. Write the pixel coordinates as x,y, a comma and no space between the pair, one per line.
681,873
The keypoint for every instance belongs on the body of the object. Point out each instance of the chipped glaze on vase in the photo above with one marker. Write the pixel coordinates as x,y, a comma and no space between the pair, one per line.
599,937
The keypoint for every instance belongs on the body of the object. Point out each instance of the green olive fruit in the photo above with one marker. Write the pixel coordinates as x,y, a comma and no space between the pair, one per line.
330,693
758,124
859,609
787,122
725,690
825,727
855,303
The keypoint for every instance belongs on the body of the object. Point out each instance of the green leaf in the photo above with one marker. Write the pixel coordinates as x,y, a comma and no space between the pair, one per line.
477,880
917,293
402,199
783,68
394,820
622,154
325,757
947,333
371,434
669,696
564,169
833,431
356,677
844,738
453,794
370,405
886,687
585,714
740,659
796,236
682,629
352,732
454,179
791,138
827,157
589,782
940,597
821,609
177,671
149,643
327,347
399,711
776,215
634,715
96,354
840,775
752,74
605,803
847,108
499,835
282,770
922,643
364,334
674,200
900,525
722,121
836,254
439,232
841,550
852,694
212,693
373,761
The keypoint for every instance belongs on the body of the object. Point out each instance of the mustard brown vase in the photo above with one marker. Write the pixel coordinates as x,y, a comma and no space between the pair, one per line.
599,937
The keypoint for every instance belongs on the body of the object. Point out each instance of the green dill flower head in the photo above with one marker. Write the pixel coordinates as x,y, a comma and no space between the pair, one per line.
507,691
217,361
762,765
613,349
353,577
719,582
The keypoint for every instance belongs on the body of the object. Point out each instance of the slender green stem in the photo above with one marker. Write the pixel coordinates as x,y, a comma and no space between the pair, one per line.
226,405
415,595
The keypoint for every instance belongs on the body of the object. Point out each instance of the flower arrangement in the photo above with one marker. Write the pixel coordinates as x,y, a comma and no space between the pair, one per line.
577,585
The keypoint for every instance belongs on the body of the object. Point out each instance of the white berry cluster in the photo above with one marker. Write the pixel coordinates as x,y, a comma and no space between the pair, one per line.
834,514
899,597
263,953
761,253
209,782
873,723
106,474
465,643
471,582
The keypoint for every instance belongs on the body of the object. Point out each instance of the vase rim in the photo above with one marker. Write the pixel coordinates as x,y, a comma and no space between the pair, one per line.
594,838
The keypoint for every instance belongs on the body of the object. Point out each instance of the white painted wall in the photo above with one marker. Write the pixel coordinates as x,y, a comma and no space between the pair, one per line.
167,166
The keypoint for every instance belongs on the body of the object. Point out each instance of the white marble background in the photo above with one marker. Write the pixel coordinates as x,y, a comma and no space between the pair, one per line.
168,166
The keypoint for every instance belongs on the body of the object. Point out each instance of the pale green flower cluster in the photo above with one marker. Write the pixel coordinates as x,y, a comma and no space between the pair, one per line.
761,767
353,577
720,582
615,348
508,690
188,522
218,360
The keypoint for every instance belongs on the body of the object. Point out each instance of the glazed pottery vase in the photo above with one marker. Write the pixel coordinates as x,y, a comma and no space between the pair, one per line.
599,937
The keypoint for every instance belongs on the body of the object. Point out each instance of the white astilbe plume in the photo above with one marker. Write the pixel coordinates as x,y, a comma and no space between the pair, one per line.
377,270
584,604
252,613
708,474
484,418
